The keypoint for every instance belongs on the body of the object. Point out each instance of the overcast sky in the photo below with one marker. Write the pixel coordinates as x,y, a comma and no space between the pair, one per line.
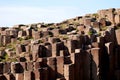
14,12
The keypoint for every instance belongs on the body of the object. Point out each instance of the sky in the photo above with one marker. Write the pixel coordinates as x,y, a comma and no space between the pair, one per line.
13,12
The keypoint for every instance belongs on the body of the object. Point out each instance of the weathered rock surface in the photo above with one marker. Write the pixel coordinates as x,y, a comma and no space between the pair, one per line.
83,48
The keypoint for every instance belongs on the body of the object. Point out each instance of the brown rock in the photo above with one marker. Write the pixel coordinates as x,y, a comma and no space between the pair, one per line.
118,36
60,66
69,71
19,76
1,67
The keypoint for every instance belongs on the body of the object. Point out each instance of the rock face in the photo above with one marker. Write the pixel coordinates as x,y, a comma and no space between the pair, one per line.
83,48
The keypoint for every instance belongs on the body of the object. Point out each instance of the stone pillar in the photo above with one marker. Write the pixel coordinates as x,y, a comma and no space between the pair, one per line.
95,52
60,66
44,73
48,46
35,52
29,66
72,45
117,19
16,68
56,47
7,67
29,75
69,71
51,62
10,76
19,76
37,65
1,67
118,36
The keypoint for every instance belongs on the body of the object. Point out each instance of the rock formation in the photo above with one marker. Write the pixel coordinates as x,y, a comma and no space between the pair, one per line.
83,48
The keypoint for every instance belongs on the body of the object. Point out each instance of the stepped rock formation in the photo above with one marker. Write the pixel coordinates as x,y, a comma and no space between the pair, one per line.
83,48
